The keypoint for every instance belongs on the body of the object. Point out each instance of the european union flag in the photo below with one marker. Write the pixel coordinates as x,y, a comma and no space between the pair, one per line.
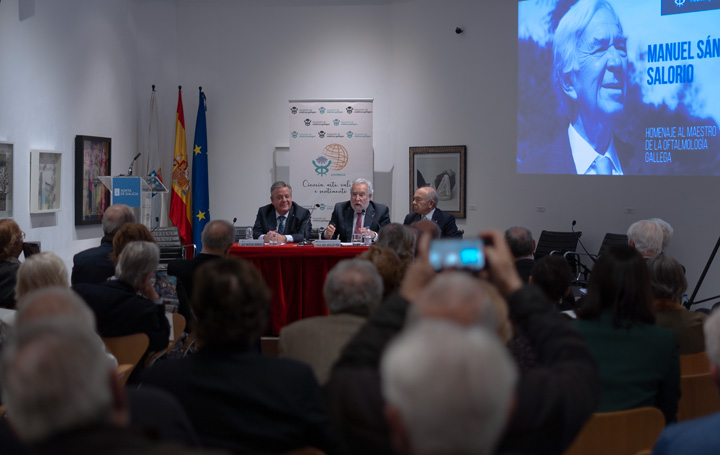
200,192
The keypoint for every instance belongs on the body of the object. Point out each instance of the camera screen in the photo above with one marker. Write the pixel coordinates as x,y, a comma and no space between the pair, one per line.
457,254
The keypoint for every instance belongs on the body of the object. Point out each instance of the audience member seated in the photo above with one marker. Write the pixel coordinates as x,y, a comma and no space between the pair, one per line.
667,232
697,436
94,265
424,206
39,271
127,304
130,232
669,284
647,237
522,246
400,239
388,265
353,289
638,361
554,399
62,395
237,398
449,389
11,243
552,274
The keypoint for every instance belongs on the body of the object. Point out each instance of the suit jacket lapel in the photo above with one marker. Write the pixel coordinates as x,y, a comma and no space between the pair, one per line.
369,216
348,225
436,216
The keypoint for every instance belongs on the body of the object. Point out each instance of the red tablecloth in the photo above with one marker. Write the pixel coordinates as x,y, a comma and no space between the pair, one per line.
296,275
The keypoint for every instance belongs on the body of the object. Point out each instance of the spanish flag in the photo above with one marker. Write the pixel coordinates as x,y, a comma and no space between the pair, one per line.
180,210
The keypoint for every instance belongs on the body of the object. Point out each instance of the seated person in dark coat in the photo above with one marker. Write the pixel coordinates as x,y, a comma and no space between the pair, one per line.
358,215
63,396
11,243
94,265
239,399
282,218
424,205
522,246
126,305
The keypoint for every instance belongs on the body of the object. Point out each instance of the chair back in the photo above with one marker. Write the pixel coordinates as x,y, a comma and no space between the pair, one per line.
694,364
612,239
270,346
178,321
171,247
551,242
619,433
699,397
128,349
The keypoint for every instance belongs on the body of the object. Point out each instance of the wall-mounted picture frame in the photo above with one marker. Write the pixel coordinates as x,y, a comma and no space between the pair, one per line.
45,181
92,160
444,169
6,180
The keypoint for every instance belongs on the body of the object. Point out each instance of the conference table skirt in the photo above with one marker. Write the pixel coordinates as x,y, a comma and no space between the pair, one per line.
296,275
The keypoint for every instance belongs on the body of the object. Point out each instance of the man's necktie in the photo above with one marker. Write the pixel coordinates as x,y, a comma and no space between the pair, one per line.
603,165
358,224
281,225
424,218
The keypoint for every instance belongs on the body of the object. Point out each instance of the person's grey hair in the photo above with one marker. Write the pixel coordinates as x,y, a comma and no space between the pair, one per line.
363,181
432,195
520,241
115,217
353,286
647,236
667,231
56,303
55,377
39,271
136,261
279,184
398,238
452,386
712,337
565,43
454,293
667,278
218,235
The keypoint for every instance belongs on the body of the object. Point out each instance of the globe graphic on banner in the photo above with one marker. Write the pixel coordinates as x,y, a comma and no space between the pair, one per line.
338,155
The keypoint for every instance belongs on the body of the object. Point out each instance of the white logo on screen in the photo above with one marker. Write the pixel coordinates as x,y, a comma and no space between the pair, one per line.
679,3
117,191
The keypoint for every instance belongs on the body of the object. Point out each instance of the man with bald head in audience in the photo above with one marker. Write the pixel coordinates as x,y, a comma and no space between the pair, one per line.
522,246
94,265
424,205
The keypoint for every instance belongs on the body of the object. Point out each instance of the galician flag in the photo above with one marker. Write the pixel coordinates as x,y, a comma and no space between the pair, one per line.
180,210
200,192
152,162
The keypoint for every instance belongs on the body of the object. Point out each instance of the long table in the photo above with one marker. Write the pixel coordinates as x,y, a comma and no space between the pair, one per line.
296,275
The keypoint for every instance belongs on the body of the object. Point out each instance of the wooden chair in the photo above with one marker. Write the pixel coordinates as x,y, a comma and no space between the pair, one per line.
128,350
699,397
619,433
694,364
178,325
123,372
644,452
270,346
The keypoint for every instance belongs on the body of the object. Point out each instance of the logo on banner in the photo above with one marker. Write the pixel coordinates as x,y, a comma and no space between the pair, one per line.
307,122
349,134
294,134
336,122
679,3
349,109
321,134
319,168
321,110
338,156
117,191
294,110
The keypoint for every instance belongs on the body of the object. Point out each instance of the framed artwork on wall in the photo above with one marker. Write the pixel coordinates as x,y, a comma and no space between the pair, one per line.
6,180
92,160
444,169
45,181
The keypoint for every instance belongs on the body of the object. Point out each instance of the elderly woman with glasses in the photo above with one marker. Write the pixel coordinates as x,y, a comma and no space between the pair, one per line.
11,244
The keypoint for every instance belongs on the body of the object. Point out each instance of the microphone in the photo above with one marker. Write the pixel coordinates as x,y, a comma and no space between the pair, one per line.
157,224
579,234
234,220
131,164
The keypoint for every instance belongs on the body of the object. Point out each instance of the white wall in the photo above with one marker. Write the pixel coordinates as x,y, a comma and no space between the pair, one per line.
431,87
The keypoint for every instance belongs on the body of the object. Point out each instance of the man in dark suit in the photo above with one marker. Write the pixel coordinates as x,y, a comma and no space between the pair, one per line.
590,76
237,398
282,218
217,238
358,215
94,265
522,246
424,205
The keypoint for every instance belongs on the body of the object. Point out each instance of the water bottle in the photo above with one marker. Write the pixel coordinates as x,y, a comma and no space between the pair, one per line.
248,232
